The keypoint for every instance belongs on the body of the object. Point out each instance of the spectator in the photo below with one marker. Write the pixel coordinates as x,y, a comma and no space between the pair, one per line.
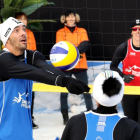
77,36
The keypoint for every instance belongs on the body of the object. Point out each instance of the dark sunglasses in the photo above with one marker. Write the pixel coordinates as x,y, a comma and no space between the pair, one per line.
135,28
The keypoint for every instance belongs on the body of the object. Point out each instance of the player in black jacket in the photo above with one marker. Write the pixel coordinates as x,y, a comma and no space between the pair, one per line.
18,68
36,69
129,54
104,123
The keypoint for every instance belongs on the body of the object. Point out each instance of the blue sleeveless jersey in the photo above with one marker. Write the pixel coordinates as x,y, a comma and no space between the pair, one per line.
100,127
15,110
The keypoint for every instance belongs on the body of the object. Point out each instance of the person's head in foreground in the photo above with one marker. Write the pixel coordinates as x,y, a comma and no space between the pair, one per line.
135,27
13,35
108,88
104,123
70,18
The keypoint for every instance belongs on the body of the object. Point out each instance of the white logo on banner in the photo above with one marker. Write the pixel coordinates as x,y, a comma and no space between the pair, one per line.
25,104
99,138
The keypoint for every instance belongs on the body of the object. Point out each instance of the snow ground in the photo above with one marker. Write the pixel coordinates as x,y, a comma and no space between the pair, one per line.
51,124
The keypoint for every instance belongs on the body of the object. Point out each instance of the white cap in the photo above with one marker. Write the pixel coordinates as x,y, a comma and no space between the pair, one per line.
7,27
98,94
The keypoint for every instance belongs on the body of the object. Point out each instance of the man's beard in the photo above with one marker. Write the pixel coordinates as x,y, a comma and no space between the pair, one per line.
19,46
22,47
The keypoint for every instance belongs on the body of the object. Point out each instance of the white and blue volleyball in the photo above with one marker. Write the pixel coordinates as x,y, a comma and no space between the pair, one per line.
64,55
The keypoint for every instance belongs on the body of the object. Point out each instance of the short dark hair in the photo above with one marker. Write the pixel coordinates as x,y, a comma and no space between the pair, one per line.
68,12
19,14
111,86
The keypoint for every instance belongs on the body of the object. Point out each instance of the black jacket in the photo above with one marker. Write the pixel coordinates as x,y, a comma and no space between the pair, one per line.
36,69
126,129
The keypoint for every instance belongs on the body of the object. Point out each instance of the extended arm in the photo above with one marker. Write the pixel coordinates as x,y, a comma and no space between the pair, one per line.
40,62
118,56
11,67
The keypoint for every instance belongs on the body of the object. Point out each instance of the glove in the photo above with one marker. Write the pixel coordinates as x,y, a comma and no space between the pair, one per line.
128,78
74,86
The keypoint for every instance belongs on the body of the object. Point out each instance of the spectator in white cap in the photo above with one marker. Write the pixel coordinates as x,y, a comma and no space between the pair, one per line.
18,68
104,123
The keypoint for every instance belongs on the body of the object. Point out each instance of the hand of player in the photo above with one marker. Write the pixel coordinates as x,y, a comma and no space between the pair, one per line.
74,86
128,78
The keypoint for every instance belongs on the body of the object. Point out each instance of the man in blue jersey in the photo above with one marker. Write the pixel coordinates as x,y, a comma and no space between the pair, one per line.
18,67
104,123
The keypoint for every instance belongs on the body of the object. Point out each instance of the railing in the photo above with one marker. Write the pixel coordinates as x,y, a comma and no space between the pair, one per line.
129,90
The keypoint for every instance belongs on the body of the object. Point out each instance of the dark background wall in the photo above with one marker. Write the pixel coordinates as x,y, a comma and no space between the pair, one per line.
106,21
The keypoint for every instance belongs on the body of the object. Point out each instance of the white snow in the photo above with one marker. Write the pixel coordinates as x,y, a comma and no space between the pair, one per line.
51,124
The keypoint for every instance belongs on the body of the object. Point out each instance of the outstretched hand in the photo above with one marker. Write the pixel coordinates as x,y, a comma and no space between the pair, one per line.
74,86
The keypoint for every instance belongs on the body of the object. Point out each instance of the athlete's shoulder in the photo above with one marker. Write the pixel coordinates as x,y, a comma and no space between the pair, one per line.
123,45
129,122
33,53
122,49
78,116
29,52
6,58
33,56
126,128
3,51
77,122
5,54
77,119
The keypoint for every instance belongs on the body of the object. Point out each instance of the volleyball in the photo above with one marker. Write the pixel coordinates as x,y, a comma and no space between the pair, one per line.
64,55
